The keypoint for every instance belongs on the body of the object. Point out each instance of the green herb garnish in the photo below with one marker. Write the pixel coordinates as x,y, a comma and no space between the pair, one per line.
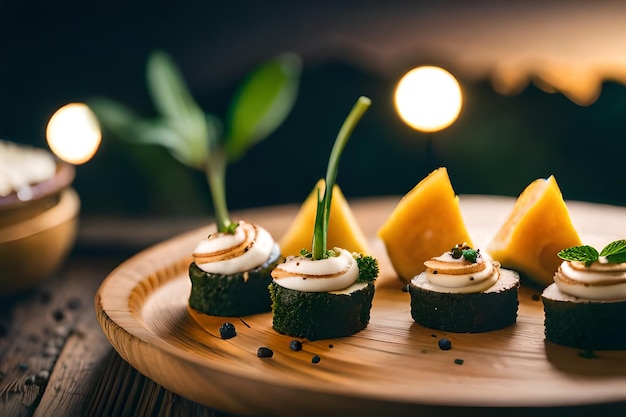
320,231
465,251
199,140
614,252
470,255
368,267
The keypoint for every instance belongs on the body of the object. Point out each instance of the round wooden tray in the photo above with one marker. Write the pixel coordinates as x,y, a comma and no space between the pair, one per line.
393,367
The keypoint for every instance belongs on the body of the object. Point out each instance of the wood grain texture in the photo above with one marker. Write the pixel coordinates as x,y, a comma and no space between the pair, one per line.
393,367
52,344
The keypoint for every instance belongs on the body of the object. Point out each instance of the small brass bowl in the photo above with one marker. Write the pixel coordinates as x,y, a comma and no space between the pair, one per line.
37,234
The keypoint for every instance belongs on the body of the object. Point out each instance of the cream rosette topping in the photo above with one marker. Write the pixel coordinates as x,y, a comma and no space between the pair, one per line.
462,270
225,253
589,274
302,273
599,281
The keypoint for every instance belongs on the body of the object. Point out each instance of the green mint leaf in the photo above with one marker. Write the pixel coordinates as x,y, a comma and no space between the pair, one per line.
614,248
617,258
586,254
261,104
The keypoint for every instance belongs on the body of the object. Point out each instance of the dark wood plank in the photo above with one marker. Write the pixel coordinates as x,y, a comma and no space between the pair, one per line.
122,391
52,342
85,347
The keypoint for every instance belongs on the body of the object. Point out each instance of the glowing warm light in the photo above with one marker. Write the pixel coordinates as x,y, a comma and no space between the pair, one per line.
73,133
428,98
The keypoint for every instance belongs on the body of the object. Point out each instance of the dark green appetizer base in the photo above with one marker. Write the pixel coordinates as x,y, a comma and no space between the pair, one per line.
466,313
320,315
234,295
585,324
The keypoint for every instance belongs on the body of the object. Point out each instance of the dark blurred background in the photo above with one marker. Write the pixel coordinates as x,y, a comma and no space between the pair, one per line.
56,52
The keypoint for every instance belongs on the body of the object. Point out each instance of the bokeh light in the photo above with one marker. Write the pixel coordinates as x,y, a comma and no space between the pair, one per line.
428,98
73,133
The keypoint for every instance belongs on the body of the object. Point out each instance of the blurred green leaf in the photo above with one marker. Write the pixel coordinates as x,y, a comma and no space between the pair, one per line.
177,106
167,87
113,116
160,132
261,103
196,139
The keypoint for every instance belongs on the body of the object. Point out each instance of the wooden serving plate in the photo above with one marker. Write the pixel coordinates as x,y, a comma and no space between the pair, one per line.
393,367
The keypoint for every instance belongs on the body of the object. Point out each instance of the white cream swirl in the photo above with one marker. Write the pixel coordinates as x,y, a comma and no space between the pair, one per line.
323,275
458,275
224,253
599,281
22,166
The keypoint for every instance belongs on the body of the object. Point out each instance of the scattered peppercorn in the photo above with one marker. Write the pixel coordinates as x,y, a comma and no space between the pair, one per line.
315,359
264,352
330,345
433,335
295,345
536,297
459,361
445,344
58,314
227,330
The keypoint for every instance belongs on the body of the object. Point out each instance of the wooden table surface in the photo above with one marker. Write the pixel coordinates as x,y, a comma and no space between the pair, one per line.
56,361
54,357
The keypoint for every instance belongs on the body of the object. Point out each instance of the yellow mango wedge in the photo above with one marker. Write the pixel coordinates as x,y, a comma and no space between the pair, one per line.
343,229
536,230
426,222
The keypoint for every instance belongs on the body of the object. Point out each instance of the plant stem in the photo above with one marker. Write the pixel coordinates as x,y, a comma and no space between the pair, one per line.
320,233
216,176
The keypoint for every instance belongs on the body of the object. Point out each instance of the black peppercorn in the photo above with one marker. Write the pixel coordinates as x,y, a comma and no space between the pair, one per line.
295,345
227,330
58,314
264,352
445,344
